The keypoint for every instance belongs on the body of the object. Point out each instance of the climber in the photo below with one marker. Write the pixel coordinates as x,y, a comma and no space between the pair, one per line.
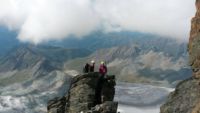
92,66
103,69
86,68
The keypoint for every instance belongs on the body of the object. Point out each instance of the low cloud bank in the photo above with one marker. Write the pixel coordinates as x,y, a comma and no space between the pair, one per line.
37,21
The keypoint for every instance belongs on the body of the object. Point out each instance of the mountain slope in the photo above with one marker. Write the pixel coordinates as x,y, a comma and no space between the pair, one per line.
28,62
100,40
136,63
7,40
32,75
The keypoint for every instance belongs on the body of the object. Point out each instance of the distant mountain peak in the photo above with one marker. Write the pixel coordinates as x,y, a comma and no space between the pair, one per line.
28,56
20,58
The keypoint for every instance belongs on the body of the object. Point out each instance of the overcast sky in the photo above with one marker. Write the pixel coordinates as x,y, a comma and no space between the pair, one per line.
42,20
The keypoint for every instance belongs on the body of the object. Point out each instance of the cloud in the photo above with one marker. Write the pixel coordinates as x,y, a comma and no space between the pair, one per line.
42,20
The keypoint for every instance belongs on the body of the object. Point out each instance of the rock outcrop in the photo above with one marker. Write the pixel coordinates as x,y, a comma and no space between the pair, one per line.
194,42
87,94
186,97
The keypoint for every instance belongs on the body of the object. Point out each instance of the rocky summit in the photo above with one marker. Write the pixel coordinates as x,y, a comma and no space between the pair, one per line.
87,94
186,97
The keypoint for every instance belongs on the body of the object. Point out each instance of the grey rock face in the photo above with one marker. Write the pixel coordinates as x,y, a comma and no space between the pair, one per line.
184,99
57,105
88,94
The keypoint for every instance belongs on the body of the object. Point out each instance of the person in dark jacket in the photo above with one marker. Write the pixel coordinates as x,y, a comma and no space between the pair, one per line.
92,66
86,68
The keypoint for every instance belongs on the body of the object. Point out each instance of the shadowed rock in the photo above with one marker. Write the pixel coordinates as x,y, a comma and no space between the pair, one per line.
57,105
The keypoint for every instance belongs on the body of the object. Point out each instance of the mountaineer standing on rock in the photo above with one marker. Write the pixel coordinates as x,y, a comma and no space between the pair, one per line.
86,68
92,66
103,69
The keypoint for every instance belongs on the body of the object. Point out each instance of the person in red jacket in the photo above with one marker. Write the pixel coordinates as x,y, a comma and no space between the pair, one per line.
103,69
103,72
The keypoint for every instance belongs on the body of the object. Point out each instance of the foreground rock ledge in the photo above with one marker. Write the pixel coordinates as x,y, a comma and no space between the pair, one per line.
185,99
82,96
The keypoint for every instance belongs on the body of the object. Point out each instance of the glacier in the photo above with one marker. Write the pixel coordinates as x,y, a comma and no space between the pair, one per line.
138,98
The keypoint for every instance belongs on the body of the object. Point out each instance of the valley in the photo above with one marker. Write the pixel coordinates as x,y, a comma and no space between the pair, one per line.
31,75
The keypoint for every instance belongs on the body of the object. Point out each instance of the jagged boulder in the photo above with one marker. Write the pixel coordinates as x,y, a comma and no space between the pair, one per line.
83,96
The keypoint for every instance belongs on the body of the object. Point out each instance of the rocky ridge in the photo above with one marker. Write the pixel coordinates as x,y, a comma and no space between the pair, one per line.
83,96
193,47
186,97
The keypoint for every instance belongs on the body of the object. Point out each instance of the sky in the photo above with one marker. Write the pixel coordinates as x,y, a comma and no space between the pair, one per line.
38,21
